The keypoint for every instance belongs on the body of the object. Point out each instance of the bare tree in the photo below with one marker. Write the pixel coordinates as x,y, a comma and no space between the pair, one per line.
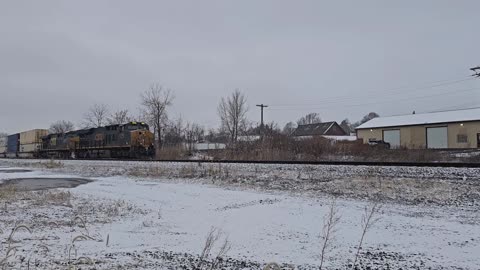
366,118
193,133
232,112
173,132
311,118
96,116
347,126
289,128
155,102
61,126
368,220
216,136
119,117
3,134
332,218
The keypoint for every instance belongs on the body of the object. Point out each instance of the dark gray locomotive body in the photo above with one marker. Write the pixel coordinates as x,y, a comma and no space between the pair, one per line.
131,140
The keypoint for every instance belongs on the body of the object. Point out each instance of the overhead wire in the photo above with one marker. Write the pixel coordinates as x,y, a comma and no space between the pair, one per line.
379,102
395,91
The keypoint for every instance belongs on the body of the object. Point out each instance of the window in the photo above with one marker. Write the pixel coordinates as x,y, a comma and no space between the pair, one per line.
462,138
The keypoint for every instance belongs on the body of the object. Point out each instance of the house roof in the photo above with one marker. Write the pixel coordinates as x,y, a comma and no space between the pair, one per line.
424,119
313,129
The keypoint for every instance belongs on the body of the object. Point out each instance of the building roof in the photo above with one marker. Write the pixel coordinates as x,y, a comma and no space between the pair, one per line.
341,138
424,119
313,129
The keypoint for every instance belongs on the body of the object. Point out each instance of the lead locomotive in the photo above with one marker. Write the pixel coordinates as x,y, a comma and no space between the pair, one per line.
131,140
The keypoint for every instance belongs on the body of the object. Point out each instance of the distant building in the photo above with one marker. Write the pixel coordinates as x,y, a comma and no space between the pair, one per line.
441,130
320,129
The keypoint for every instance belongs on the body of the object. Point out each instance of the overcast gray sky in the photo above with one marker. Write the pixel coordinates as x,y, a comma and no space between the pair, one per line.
338,58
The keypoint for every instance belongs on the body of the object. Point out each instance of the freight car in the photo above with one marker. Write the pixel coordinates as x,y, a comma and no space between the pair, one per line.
131,140
13,145
3,147
30,142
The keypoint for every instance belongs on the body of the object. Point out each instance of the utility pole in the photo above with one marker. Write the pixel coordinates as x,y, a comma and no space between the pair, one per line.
261,117
476,70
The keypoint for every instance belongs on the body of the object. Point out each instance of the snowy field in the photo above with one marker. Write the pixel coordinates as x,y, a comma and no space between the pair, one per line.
158,215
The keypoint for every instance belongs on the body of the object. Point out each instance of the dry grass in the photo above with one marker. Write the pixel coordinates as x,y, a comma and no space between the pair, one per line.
212,238
106,211
7,193
11,250
369,218
284,148
52,164
73,249
188,171
172,153
330,224
48,197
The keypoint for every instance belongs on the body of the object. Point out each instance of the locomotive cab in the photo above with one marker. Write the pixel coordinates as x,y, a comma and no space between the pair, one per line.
141,139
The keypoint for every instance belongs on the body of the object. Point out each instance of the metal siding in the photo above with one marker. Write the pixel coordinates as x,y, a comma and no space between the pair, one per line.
470,129
415,137
28,148
437,137
392,137
32,136
367,134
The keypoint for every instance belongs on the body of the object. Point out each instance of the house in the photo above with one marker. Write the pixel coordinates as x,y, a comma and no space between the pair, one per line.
441,130
319,129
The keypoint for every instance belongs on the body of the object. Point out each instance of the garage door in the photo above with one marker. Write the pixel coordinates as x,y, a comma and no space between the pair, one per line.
437,137
392,137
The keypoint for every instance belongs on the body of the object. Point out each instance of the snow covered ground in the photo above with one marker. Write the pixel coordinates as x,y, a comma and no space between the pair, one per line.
156,220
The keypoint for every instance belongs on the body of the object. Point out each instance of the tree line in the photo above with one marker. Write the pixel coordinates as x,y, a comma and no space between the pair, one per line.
154,107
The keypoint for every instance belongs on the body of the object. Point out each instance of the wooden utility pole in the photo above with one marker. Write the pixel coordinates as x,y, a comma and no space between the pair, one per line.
261,117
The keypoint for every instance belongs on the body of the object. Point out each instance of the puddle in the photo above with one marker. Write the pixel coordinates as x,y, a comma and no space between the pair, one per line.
14,170
32,184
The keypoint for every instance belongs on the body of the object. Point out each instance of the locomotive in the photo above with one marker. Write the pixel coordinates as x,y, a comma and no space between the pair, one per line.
131,140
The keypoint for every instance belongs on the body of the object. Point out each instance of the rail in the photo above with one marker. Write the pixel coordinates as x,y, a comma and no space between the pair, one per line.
296,162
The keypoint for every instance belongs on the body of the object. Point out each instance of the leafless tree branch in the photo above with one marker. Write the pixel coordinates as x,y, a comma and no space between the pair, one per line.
61,126
331,220
368,220
232,112
155,102
96,116
311,118
119,117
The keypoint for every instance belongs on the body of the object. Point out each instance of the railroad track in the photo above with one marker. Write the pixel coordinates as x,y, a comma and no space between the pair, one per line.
334,163
339,163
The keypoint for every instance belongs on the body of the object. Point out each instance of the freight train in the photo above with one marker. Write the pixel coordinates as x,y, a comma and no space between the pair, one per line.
131,140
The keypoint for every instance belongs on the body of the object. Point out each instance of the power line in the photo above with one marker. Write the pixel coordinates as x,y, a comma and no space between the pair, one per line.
377,102
384,93
454,108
